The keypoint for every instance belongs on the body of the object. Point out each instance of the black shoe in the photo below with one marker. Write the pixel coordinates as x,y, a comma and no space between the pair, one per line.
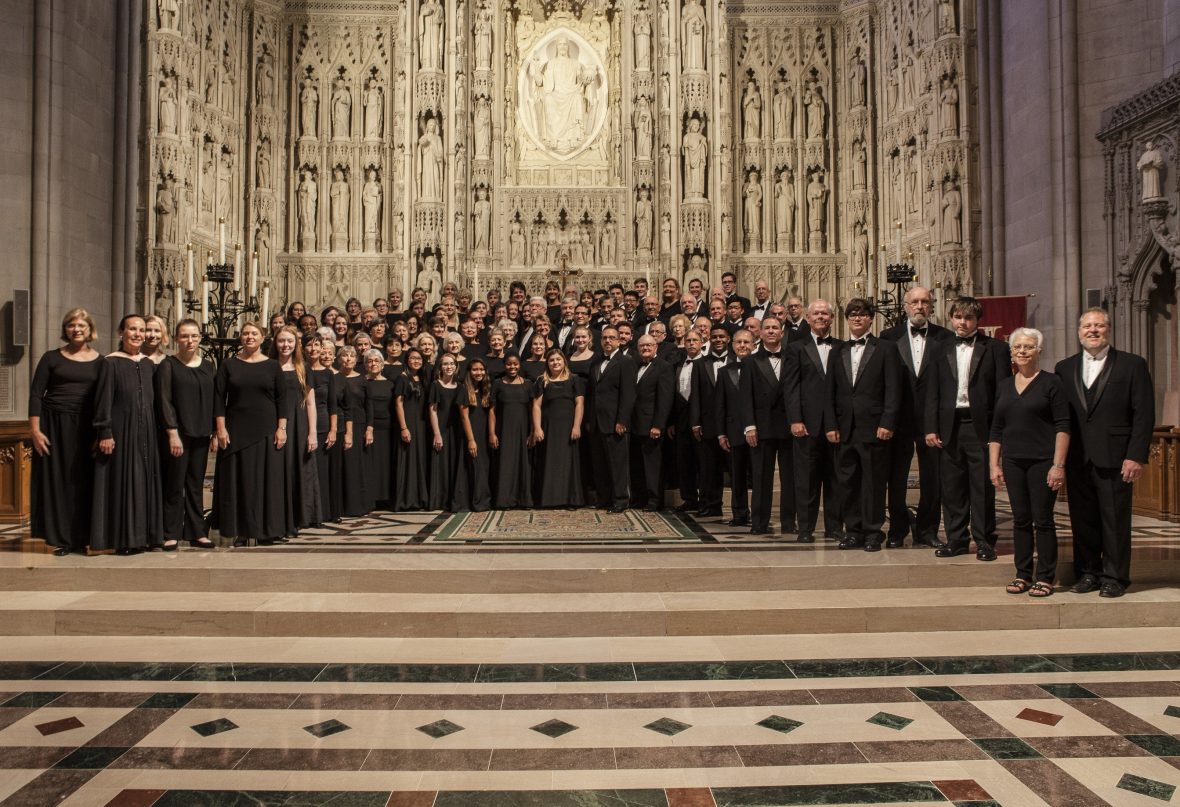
873,546
708,512
686,508
985,552
948,551
61,551
617,510
789,527
759,531
739,522
806,538
1112,590
894,543
202,543
170,546
852,543
1086,585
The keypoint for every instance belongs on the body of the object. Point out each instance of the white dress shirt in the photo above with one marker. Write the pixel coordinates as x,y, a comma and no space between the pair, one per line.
857,353
963,352
684,380
824,351
759,309
917,347
1092,366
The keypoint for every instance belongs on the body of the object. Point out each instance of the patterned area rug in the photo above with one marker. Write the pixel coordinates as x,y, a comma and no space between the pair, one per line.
582,527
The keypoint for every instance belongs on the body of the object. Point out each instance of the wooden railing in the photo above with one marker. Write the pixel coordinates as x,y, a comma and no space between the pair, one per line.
16,470
1157,493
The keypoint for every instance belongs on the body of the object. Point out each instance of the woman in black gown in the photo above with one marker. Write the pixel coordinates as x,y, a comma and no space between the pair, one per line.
61,420
128,507
453,344
412,461
335,452
581,361
250,416
184,400
327,414
533,365
509,436
557,428
494,360
446,462
355,482
474,492
302,499
379,464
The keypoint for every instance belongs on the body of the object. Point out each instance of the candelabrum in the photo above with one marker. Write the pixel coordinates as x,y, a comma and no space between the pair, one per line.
891,302
221,303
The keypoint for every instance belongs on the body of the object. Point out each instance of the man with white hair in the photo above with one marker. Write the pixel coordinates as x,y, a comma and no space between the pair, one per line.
760,307
532,313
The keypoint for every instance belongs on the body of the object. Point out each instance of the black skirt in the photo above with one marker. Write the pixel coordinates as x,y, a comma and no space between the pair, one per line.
249,491
63,482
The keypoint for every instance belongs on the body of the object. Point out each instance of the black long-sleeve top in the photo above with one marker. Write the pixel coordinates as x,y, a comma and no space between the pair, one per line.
184,397
1026,425
251,396
323,383
63,385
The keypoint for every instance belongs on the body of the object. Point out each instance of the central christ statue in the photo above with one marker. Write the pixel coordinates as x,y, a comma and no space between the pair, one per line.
563,98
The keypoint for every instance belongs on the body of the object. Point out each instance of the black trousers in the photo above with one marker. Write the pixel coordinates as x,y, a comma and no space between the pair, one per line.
968,497
1100,513
647,462
901,456
739,479
815,471
1032,503
763,458
184,485
689,460
713,462
862,469
612,465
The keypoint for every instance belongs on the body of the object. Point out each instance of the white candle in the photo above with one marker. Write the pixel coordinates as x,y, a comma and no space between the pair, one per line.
205,302
265,305
189,278
254,276
208,259
221,241
238,267
897,248
178,310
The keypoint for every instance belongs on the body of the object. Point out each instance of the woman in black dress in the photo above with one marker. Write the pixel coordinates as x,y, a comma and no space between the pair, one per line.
557,428
509,436
474,492
155,339
453,344
379,463
494,360
580,362
533,365
412,460
446,463
335,511
355,482
61,420
128,508
184,400
302,490
323,385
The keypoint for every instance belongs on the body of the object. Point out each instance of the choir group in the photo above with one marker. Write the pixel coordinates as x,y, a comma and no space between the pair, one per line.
610,397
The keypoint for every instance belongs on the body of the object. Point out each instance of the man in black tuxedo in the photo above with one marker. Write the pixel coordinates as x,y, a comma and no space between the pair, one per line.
654,388
917,340
807,387
533,314
768,434
613,400
959,408
703,415
729,286
563,328
1112,406
796,323
687,448
865,402
733,408
760,307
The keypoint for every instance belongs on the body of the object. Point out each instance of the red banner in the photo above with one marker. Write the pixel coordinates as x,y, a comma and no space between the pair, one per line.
1003,315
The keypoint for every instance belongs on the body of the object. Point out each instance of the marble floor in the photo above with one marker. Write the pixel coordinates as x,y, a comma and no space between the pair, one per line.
642,662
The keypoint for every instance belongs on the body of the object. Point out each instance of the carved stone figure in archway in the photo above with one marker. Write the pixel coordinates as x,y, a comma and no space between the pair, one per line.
751,111
784,210
166,212
783,110
483,220
643,221
374,109
817,111
339,194
309,99
696,153
429,280
693,35
167,106
517,255
483,38
371,209
643,128
950,107
341,110
952,208
308,195
483,128
1151,166
752,205
169,14
817,210
431,16
642,30
431,160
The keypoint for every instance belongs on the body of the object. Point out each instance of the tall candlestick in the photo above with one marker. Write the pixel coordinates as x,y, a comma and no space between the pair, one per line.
897,246
266,306
221,240
208,259
189,278
178,307
254,276
205,302
238,267
872,278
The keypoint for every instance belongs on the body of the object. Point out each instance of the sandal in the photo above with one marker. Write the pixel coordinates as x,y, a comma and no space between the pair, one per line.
1018,586
202,543
170,546
1040,590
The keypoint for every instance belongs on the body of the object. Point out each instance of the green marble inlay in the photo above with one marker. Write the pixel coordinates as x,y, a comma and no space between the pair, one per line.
118,671
857,668
554,728
168,700
667,726
1146,787
91,757
440,728
26,670
889,721
398,673
1116,662
989,665
1006,748
983,803
271,673
936,694
529,673
715,671
327,728
1068,690
262,798
555,798
791,795
218,726
32,700
1172,711
1161,745
779,723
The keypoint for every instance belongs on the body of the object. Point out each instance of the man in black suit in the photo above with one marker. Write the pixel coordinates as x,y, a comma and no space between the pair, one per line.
807,387
613,399
654,388
863,408
729,286
703,415
760,307
768,434
563,328
687,448
1112,406
959,408
796,323
732,403
917,339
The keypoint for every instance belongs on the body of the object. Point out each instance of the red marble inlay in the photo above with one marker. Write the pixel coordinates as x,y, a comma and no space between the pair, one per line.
1037,716
58,726
962,790
689,797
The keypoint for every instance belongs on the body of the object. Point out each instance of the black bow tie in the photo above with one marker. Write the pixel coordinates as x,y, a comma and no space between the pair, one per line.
758,307
862,341
823,340
918,332
966,340
777,355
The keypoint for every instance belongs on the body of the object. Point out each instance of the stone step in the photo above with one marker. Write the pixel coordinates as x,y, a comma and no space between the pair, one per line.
693,613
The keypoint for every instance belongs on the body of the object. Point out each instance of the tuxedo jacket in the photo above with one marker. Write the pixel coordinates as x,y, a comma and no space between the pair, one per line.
806,385
757,309
612,393
669,352
669,311
703,403
791,331
732,402
653,398
745,301
682,409
1117,425
913,401
990,362
768,401
873,401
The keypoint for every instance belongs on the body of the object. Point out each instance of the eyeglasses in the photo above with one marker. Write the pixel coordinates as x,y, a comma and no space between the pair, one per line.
1024,348
860,315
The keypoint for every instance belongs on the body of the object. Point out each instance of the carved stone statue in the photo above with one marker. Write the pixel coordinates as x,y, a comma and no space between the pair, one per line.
483,38
1151,166
952,208
946,16
308,197
910,78
262,180
784,211
224,185
666,233
606,243
517,254
860,250
339,194
169,14
695,149
262,247
860,160
950,107
817,110
460,232
167,107
859,78
641,26
912,187
643,128
561,88
374,109
166,212
309,99
752,207
266,79
643,221
751,111
429,280
693,34
341,110
783,110
431,160
483,220
696,271
483,128
371,209
817,210
431,16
